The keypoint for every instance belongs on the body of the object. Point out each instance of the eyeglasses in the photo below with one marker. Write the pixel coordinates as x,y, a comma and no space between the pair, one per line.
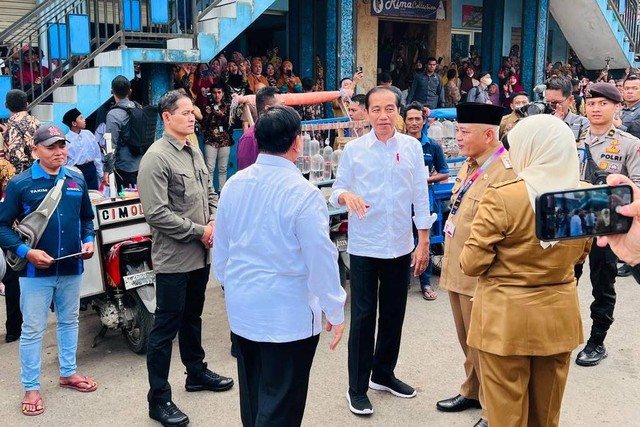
554,104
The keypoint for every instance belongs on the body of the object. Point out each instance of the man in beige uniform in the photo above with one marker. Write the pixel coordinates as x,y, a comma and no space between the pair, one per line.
488,163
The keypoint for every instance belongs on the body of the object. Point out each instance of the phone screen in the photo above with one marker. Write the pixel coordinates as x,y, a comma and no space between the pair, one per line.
585,212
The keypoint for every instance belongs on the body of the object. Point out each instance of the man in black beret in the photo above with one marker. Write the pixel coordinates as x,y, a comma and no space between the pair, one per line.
613,151
488,163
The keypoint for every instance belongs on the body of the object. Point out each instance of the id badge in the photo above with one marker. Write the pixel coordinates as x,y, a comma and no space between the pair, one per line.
449,228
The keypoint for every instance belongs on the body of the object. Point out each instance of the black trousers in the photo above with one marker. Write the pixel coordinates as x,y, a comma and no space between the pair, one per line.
126,179
603,265
12,302
393,275
90,175
180,300
274,379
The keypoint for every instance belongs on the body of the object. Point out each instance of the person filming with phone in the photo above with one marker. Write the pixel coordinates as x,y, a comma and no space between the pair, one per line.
605,150
526,287
626,246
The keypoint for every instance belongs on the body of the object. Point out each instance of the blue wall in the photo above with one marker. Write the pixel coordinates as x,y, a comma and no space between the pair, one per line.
512,18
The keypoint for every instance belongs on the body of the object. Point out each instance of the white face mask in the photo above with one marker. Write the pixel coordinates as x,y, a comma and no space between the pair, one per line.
487,81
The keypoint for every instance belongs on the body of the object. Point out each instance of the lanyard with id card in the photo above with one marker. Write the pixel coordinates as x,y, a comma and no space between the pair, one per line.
449,228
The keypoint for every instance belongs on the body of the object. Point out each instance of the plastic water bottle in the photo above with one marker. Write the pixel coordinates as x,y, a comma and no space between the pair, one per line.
317,164
327,155
436,132
335,160
300,163
314,147
306,155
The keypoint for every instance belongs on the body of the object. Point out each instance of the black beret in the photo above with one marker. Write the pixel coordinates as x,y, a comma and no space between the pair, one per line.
603,90
70,116
479,113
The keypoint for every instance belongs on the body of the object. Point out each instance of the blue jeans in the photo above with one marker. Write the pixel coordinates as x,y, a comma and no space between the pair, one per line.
36,294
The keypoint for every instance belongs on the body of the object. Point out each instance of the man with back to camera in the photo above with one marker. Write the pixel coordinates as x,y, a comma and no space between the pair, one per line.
437,171
179,205
380,176
46,279
558,94
275,303
117,124
487,163
248,146
613,151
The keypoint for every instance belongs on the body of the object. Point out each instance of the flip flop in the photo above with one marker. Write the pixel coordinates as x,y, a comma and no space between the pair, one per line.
76,385
429,294
37,402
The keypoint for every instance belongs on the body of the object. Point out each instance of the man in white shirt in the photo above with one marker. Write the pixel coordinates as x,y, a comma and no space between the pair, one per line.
84,151
380,176
279,269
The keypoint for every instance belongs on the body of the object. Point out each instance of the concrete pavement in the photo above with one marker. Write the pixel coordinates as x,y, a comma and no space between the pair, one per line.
430,360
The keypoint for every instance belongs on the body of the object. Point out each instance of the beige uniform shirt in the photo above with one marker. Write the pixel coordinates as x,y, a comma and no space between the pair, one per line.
615,152
452,278
178,201
526,301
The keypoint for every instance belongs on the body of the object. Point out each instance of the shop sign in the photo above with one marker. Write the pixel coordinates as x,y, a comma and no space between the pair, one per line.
421,9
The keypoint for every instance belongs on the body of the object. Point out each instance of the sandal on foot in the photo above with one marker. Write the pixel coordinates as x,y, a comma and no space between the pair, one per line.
429,294
77,384
36,403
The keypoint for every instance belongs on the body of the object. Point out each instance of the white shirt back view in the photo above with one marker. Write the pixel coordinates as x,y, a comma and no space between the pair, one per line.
273,254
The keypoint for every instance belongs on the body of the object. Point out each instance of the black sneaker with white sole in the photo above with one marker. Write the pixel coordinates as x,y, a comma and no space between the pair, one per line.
359,404
393,386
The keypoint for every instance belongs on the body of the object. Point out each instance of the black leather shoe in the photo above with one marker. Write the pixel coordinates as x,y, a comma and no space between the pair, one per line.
207,380
624,271
168,414
458,404
11,338
591,356
481,423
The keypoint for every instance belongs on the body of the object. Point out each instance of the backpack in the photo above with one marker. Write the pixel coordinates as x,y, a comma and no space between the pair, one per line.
140,132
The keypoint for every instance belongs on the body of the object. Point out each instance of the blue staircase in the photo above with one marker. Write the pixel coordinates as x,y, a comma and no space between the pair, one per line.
218,25
602,32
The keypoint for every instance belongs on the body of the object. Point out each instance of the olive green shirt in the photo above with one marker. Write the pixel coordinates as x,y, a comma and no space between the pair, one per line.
178,201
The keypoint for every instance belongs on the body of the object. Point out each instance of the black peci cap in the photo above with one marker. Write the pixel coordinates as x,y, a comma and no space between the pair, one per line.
70,116
479,113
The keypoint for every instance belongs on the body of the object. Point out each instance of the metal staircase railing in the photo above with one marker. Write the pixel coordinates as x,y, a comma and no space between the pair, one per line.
23,43
627,13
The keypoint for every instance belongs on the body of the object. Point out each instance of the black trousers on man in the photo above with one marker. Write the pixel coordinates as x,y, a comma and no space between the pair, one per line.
393,275
603,265
180,300
12,303
126,179
90,174
274,379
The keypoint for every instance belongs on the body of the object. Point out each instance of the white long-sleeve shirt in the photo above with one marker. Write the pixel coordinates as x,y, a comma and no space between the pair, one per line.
273,254
82,148
390,177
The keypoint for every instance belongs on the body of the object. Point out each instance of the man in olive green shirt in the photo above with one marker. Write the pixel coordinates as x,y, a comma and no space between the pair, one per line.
179,205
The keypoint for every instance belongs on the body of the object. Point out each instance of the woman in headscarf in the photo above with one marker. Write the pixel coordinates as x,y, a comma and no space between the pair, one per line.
468,81
525,319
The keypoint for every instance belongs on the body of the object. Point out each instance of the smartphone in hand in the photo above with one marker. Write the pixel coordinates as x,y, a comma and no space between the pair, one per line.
583,212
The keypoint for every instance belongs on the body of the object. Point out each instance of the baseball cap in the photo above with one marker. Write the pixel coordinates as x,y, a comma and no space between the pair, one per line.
47,135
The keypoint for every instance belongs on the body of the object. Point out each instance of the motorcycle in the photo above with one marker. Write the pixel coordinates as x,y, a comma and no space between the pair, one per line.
119,282
339,227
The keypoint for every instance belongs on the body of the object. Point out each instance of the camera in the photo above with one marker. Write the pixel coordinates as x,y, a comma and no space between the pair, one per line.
533,108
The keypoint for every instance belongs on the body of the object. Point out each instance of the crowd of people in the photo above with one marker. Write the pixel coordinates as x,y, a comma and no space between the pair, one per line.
493,258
